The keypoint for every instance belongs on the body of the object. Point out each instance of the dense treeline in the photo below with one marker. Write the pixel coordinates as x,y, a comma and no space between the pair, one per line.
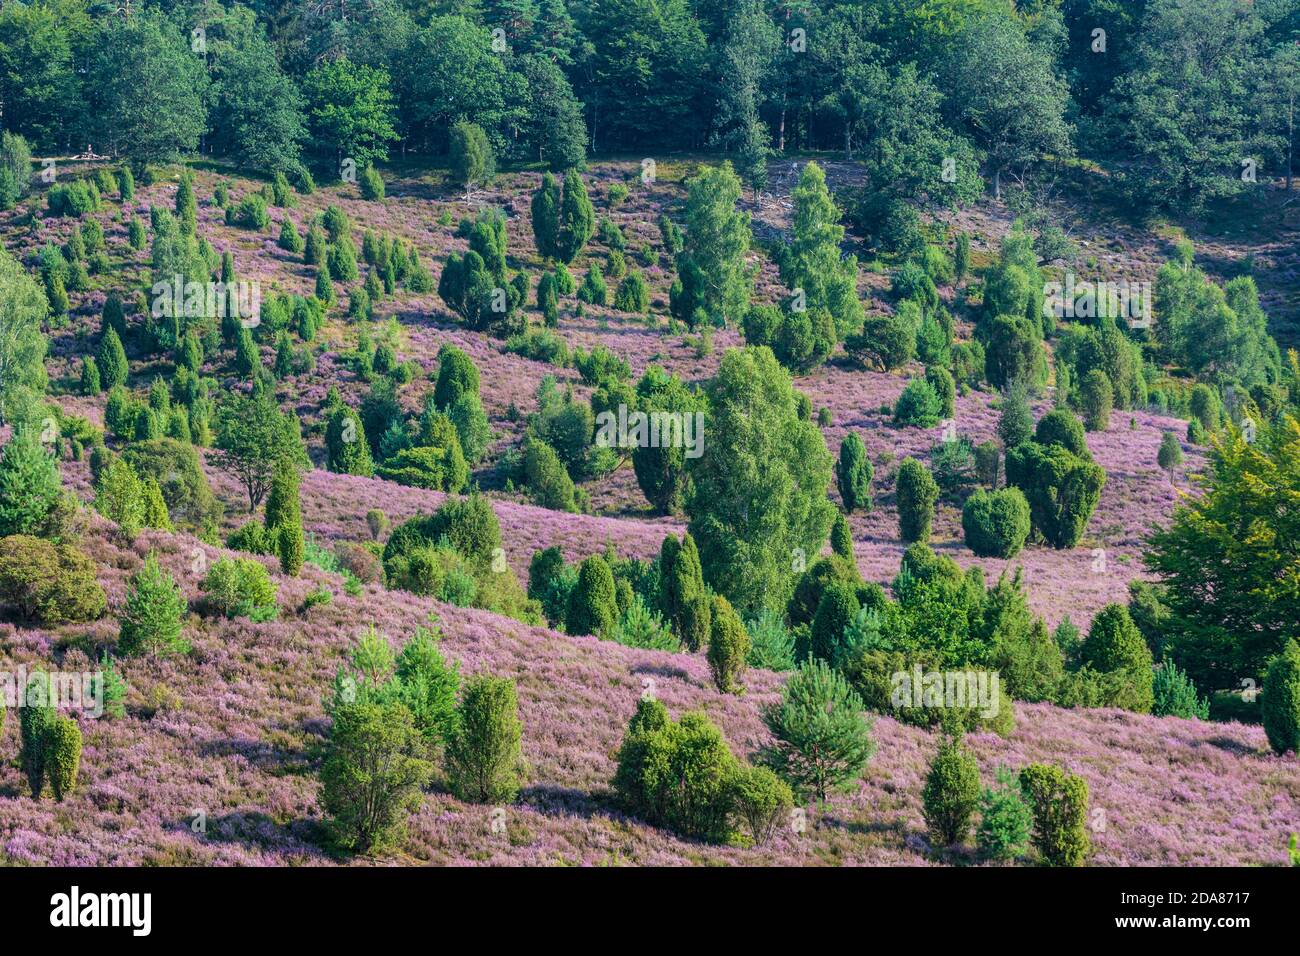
1191,99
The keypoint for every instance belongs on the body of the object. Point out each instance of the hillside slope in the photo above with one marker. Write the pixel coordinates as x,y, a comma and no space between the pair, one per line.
240,741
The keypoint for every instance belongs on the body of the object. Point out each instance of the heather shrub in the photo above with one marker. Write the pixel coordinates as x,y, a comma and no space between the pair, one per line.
62,754
34,719
1280,706
995,523
150,623
951,794
1006,819
240,587
917,493
821,738
853,474
1060,808
372,775
48,583
728,645
484,760
762,801
1174,694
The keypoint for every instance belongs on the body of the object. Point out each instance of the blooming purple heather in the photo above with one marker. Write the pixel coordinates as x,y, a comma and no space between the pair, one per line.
729,292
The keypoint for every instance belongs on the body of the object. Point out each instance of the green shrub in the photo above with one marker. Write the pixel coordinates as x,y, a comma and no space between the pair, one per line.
1062,489
592,608
548,480
762,800
853,474
917,494
1115,645
941,382
152,619
1006,819
240,587
951,794
1280,705
485,762
593,290
918,405
1060,807
250,213
1062,427
728,645
371,184
1097,398
633,294
34,720
995,523
372,774
62,748
686,602
676,774
48,583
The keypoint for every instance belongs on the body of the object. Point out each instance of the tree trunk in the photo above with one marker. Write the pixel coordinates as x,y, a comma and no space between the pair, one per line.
997,183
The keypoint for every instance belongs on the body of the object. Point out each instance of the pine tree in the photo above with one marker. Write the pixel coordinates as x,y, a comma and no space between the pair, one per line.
29,485
152,620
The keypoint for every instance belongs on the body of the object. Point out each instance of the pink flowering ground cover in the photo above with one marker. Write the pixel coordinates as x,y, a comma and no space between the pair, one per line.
231,736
